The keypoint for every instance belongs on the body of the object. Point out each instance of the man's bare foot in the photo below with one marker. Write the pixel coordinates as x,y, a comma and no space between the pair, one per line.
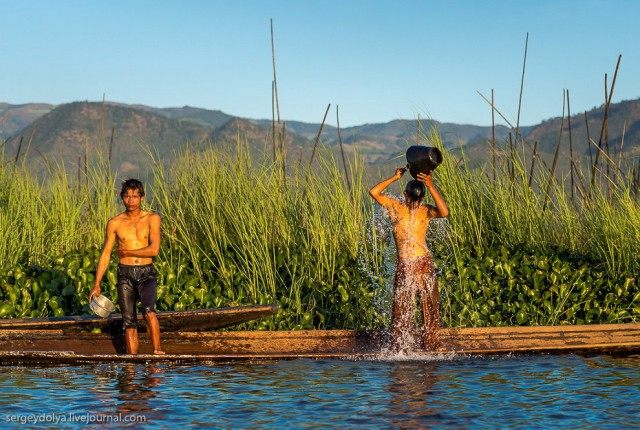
158,352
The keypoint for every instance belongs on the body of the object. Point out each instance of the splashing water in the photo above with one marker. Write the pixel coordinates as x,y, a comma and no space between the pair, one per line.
379,238
405,341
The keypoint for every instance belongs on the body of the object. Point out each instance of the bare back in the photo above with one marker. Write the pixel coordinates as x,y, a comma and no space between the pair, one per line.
410,228
410,220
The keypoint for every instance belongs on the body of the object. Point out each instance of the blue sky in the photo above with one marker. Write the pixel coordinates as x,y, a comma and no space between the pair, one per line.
376,60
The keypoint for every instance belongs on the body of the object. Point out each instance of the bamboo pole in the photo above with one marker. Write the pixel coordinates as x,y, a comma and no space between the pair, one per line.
511,166
113,129
275,85
86,162
79,172
533,162
586,123
555,157
283,155
493,137
273,120
571,162
281,125
315,145
15,161
508,123
524,65
637,180
102,114
344,161
604,122
26,152
619,152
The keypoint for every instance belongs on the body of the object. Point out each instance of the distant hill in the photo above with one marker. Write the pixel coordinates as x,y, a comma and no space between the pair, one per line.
63,134
60,132
623,130
14,118
204,117
384,143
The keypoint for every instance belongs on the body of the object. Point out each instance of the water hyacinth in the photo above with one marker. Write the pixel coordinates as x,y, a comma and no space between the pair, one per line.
239,230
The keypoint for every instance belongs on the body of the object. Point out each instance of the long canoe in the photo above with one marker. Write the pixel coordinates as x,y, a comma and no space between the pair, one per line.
189,320
55,346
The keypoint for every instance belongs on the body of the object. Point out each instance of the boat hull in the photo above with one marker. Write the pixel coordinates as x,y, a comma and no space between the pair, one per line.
188,320
55,346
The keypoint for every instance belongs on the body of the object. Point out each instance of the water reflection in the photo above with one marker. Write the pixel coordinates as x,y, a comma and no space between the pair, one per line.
540,391
413,401
136,389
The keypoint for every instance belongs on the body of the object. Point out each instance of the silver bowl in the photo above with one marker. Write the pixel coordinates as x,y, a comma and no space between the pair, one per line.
102,306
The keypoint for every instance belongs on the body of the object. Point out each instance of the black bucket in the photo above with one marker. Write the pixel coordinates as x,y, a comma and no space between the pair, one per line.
423,159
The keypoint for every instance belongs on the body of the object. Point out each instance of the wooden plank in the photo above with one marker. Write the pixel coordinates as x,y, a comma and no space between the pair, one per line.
189,320
545,338
51,345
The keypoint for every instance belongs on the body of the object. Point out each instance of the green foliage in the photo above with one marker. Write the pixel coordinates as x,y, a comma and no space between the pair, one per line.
538,212
238,232
255,235
520,287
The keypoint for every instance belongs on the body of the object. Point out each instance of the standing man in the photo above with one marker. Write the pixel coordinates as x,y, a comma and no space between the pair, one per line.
137,233
415,270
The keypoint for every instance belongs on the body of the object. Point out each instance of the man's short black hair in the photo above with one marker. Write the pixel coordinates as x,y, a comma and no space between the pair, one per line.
132,184
415,190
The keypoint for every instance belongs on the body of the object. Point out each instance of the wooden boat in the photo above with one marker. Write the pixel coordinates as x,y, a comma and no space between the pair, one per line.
56,346
189,320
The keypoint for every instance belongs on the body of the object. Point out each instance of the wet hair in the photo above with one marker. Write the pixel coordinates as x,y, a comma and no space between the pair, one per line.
132,184
415,190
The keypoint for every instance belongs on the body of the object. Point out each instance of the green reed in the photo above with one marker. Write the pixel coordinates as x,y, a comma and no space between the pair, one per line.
43,219
240,230
510,212
524,250
253,235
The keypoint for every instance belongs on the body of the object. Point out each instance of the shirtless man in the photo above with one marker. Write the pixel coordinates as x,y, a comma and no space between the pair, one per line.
415,270
138,235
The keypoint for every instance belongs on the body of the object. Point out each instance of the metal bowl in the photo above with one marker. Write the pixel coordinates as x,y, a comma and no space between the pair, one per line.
102,306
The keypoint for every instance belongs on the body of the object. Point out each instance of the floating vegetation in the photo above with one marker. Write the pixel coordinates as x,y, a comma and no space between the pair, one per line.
237,231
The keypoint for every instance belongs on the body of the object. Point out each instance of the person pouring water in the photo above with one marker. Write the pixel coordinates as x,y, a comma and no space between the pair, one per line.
415,269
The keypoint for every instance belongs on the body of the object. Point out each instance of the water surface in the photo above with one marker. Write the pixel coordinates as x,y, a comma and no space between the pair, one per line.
541,391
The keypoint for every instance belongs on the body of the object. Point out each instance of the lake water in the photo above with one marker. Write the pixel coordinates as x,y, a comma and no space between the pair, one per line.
541,391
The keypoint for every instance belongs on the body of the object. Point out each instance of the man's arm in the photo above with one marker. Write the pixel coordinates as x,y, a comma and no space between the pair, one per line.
440,210
105,257
376,192
151,250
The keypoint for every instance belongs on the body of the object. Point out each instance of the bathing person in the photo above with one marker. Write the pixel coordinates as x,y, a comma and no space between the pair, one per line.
415,272
137,233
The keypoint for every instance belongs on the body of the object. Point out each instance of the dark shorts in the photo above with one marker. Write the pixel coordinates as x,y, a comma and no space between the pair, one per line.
136,283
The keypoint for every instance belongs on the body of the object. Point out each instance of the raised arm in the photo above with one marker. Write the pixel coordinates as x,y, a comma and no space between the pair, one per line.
105,257
376,191
440,209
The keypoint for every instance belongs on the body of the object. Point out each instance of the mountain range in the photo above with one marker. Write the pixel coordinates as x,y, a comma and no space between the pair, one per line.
40,134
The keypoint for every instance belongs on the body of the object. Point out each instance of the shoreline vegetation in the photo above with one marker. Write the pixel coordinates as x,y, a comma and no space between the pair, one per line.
520,246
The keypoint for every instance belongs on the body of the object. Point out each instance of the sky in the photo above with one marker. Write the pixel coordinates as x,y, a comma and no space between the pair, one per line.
375,60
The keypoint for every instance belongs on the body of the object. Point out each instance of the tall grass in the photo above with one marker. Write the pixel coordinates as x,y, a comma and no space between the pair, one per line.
261,237
514,211
43,220
238,230
520,248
